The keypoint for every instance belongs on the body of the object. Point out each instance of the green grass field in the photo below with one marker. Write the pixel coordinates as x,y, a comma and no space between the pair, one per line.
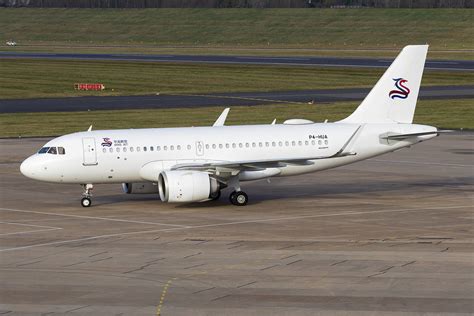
440,113
223,30
33,78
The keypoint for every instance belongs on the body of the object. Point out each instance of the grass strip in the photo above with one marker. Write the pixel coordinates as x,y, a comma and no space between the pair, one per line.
454,114
317,28
34,78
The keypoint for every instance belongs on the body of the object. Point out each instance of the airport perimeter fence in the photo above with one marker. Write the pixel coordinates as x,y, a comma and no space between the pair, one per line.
140,4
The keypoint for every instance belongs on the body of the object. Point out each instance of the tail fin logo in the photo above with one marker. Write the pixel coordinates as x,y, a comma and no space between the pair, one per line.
402,92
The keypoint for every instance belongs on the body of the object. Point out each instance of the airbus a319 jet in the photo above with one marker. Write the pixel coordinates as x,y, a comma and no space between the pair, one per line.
194,164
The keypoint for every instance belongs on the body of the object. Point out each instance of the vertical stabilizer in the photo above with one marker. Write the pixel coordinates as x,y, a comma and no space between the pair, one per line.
393,98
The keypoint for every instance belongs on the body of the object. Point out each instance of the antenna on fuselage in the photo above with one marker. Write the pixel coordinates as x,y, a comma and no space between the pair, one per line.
90,128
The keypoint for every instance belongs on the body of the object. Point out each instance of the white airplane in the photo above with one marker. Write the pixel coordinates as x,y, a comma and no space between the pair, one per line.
195,163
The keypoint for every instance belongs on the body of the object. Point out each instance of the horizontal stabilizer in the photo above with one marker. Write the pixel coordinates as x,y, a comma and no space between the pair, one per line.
404,136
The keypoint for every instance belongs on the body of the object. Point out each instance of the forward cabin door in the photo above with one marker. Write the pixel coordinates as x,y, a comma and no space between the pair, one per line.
89,151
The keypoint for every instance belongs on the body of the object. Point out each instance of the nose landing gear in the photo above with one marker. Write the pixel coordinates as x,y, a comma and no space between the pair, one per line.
86,200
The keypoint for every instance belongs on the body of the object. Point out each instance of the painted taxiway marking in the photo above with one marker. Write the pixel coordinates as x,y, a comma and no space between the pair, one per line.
423,163
44,228
441,208
93,217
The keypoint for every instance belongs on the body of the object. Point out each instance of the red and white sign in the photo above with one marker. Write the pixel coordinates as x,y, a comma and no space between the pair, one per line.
89,86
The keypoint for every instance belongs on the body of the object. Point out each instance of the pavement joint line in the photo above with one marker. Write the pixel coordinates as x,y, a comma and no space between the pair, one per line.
75,309
333,214
339,262
238,98
408,263
99,253
60,242
296,261
246,284
288,257
92,217
269,267
200,291
101,259
220,297
422,163
28,263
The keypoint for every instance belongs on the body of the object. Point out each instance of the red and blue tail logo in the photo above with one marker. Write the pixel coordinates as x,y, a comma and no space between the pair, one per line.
402,92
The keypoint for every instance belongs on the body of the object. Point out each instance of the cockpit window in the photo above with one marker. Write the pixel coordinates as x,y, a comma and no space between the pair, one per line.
52,150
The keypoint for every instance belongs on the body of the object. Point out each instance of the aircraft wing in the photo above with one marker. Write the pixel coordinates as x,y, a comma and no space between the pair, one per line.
251,165
256,165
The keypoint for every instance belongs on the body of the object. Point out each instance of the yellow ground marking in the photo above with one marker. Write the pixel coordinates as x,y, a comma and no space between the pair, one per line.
163,296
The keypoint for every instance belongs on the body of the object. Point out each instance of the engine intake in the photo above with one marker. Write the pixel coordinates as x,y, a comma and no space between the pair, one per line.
186,186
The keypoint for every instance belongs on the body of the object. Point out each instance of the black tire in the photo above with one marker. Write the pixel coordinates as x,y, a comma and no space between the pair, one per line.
86,202
239,198
232,197
216,196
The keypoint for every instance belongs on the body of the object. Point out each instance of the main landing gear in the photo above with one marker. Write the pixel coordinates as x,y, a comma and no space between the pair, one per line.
239,198
86,200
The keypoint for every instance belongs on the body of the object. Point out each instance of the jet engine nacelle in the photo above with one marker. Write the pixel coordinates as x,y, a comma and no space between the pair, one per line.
139,188
186,186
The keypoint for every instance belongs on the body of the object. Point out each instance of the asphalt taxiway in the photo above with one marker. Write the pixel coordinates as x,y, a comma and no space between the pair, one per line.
217,99
449,65
392,235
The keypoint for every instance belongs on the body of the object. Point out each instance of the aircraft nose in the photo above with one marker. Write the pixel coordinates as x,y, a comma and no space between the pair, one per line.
29,167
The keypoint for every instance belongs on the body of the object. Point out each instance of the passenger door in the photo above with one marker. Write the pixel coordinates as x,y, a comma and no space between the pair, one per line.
89,151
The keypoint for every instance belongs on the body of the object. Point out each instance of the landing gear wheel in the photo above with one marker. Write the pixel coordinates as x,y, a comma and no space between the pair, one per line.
215,196
239,198
86,202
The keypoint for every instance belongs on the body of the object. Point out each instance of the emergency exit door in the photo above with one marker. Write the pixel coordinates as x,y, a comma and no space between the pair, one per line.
199,148
89,151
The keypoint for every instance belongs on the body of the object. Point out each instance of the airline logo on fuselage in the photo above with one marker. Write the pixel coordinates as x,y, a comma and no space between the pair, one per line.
402,91
106,142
